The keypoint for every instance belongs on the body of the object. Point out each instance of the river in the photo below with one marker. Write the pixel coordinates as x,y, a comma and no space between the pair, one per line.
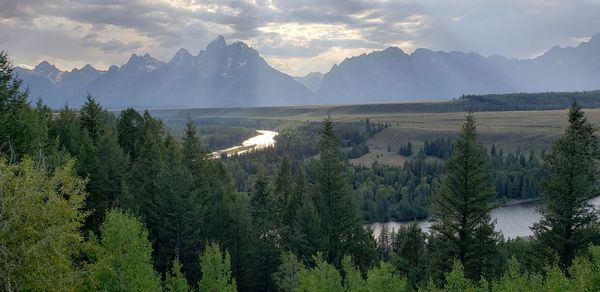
512,220
263,140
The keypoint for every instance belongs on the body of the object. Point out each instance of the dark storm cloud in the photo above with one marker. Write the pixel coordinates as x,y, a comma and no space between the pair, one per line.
510,27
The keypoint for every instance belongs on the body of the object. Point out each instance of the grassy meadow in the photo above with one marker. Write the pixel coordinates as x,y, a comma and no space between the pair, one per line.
415,122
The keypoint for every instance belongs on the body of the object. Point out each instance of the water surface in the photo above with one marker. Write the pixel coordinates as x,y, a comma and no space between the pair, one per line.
513,220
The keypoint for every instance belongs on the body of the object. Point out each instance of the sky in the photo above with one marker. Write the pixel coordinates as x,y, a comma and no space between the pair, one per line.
296,37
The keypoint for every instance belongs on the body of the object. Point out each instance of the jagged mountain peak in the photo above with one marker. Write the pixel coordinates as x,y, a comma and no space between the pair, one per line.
181,56
45,66
88,67
141,64
217,43
49,71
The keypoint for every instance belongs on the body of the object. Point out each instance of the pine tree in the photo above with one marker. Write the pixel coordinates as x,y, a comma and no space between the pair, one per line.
67,129
306,231
572,174
384,243
92,118
23,129
265,252
129,132
172,230
342,232
216,270
409,253
284,188
106,166
461,224
124,260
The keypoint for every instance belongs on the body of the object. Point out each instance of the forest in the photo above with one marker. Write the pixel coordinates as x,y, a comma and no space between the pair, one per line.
92,200
530,101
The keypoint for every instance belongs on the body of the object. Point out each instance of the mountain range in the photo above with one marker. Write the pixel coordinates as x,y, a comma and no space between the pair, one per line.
235,75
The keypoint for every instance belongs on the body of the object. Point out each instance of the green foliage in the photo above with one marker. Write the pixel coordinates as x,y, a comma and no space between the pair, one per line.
353,281
342,232
287,276
129,129
409,253
40,217
23,129
456,280
105,165
530,101
92,118
174,280
216,270
323,277
572,173
385,278
123,260
461,224
515,279
265,252
407,150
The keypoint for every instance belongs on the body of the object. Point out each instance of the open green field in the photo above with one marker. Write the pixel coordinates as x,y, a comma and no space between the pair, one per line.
415,122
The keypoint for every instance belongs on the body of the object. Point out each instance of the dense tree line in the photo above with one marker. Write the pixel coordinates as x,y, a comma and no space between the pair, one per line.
530,101
91,200
406,150
221,137
440,148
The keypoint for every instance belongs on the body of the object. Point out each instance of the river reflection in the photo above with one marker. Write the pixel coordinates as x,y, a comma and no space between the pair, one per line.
263,140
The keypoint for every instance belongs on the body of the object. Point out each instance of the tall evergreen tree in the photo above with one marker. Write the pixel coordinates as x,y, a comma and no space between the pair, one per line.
306,231
284,187
105,165
23,129
461,224
342,232
572,178
409,253
129,131
173,232
92,118
265,252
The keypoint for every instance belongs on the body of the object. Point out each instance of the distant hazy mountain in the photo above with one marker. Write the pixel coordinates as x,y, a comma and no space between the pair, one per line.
222,75
392,75
311,80
228,75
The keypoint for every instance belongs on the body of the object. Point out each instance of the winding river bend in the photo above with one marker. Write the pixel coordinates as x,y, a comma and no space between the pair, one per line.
263,140
512,220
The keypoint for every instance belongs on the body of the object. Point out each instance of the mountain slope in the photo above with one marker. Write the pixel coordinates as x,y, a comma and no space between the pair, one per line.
235,75
312,80
392,75
221,75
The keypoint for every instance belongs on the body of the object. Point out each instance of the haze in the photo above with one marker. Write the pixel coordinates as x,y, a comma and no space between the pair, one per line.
295,37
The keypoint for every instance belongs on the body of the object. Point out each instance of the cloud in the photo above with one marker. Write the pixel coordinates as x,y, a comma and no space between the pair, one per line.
294,34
